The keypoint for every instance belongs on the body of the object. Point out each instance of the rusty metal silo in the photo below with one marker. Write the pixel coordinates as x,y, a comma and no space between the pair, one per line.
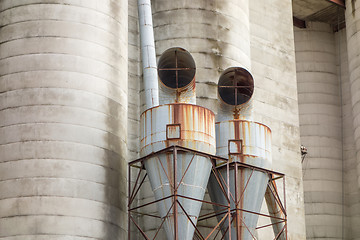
177,122
243,141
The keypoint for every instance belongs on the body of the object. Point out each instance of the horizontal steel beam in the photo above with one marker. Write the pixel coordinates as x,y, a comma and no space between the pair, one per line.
340,3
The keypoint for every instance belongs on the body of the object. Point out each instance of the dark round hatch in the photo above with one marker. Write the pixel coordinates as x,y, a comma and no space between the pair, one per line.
236,86
176,68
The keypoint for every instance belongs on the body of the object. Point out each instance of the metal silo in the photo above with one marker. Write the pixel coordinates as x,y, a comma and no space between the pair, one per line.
242,141
178,123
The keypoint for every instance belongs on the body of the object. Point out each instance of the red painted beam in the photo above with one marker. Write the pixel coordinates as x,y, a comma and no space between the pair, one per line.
299,23
340,3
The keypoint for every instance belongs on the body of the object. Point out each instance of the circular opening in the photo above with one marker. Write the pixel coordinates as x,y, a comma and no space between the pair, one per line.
236,86
176,68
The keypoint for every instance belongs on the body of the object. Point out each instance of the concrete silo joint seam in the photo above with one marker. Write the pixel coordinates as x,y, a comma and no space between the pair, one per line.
64,4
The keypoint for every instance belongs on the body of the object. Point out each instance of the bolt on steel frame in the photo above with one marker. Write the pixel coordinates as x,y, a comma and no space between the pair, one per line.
221,230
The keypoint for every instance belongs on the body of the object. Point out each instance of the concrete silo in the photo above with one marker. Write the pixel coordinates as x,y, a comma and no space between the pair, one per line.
63,116
320,126
64,102
221,34
353,34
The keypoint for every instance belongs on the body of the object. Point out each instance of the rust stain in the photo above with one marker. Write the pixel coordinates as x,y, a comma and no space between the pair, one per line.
236,113
197,127
195,121
185,94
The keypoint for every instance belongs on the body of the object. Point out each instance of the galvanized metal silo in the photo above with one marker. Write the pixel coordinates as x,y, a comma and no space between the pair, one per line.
183,124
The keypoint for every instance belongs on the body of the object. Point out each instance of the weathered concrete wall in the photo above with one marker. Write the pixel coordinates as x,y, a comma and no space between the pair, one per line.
352,16
275,99
134,83
320,127
209,30
349,176
63,117
215,32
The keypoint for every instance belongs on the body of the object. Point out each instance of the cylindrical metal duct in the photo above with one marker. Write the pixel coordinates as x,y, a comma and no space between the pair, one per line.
148,54
320,129
63,119
189,126
235,89
177,77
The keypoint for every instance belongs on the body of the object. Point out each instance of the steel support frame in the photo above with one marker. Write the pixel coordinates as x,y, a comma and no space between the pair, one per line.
134,188
217,164
238,210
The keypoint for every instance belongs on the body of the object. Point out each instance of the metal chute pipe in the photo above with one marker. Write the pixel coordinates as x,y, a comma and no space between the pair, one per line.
148,54
235,90
176,69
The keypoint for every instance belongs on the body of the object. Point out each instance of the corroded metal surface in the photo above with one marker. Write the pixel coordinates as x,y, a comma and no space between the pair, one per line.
197,128
177,77
235,89
188,126
250,143
236,86
255,138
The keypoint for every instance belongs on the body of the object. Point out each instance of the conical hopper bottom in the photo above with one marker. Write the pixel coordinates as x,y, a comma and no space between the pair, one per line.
249,194
192,174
